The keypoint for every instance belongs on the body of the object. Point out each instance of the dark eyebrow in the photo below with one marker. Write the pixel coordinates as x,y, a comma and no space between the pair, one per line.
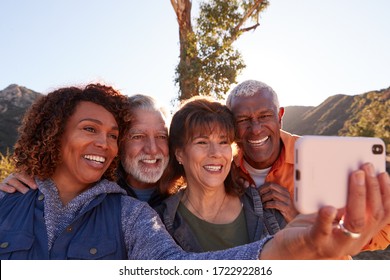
97,122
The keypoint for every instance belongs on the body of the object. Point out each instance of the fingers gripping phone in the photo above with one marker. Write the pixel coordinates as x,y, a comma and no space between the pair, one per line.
323,164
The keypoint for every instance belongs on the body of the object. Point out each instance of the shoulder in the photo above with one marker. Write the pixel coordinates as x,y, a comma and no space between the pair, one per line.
251,198
2,194
170,204
132,205
31,193
288,138
136,212
109,187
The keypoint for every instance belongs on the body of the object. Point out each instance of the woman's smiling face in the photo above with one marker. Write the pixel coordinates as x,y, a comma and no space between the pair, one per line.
207,159
88,145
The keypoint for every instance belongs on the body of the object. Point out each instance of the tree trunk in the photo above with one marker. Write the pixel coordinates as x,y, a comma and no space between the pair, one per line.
188,77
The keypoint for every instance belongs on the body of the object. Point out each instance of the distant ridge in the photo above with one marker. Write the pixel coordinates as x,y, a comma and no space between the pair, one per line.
14,100
333,115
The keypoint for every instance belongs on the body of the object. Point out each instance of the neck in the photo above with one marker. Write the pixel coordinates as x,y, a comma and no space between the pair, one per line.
136,184
68,189
66,197
206,206
67,193
205,198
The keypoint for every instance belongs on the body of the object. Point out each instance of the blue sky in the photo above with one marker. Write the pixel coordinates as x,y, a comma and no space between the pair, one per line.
306,50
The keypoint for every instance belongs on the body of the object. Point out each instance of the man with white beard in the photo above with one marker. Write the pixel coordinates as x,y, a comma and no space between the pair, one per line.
144,154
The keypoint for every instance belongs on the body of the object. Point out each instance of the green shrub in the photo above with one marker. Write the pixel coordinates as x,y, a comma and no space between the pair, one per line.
6,165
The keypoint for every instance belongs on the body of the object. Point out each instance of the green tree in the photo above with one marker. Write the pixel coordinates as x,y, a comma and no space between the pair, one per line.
209,63
373,120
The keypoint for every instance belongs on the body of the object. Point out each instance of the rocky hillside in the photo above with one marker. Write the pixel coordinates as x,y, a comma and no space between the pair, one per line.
14,100
332,115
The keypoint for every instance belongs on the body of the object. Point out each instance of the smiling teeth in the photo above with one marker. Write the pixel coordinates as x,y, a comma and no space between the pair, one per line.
213,168
95,158
258,141
150,161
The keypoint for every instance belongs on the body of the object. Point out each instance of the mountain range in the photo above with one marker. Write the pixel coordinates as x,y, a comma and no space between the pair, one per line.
331,117
14,100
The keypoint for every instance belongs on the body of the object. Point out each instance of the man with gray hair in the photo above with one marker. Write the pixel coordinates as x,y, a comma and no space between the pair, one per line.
266,152
144,153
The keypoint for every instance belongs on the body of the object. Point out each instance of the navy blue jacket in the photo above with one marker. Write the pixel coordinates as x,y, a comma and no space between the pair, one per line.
94,234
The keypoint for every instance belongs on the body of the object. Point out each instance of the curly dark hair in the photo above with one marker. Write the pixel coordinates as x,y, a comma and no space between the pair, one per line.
198,115
37,150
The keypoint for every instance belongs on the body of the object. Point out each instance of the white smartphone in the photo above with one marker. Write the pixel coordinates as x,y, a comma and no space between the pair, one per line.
323,164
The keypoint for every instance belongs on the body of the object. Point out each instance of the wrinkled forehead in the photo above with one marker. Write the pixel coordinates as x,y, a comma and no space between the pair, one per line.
142,117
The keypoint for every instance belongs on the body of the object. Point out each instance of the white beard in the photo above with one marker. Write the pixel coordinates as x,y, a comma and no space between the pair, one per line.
144,173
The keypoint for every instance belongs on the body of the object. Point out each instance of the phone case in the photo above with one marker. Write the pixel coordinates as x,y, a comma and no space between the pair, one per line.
323,164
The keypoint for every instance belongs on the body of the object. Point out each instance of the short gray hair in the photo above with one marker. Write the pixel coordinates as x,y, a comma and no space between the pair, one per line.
250,88
147,103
